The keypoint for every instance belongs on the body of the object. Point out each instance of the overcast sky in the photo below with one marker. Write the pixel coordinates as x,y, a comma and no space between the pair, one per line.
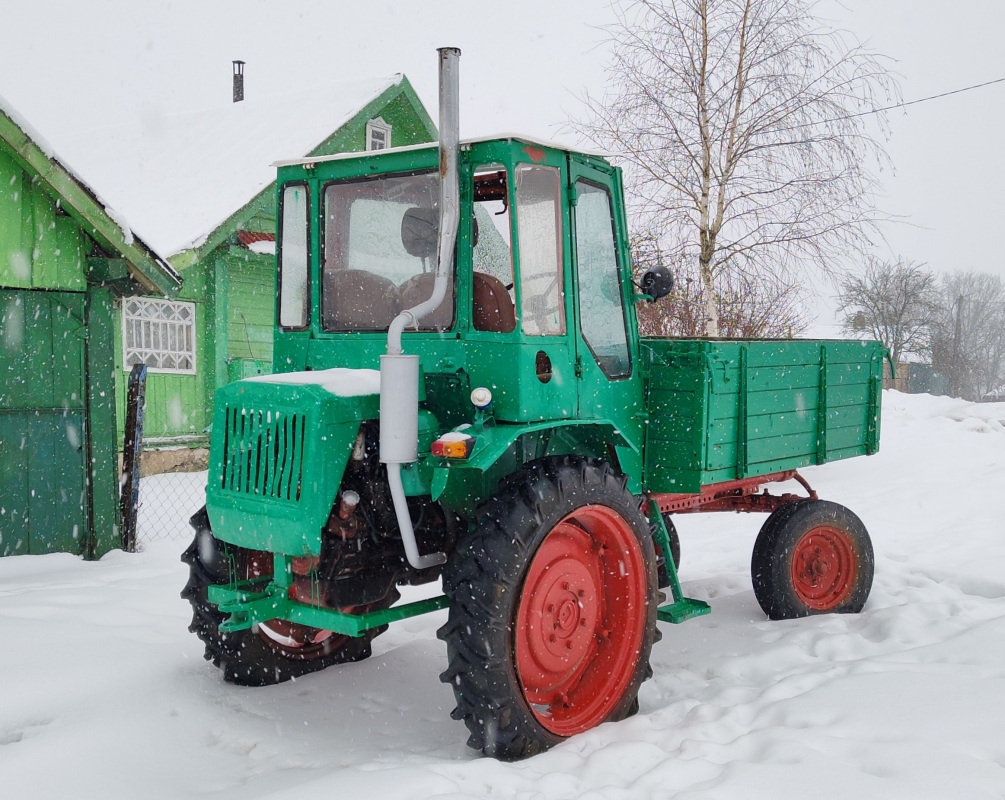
524,64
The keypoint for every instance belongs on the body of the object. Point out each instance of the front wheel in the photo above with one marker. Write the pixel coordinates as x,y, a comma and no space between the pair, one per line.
269,653
812,557
553,609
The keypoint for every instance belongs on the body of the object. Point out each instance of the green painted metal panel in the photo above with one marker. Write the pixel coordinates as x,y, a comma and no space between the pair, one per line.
42,350
101,442
276,461
14,484
722,410
43,501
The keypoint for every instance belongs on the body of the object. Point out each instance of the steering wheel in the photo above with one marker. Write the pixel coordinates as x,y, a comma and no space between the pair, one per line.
536,305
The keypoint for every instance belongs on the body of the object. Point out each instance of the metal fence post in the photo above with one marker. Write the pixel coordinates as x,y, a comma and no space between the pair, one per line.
129,492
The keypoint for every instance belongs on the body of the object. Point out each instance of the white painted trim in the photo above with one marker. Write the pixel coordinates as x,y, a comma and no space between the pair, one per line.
377,125
146,303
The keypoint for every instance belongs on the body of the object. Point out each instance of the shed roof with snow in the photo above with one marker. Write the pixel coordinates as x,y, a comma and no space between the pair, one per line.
75,188
180,178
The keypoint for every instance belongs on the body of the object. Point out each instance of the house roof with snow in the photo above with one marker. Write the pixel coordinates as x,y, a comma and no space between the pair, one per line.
80,199
184,179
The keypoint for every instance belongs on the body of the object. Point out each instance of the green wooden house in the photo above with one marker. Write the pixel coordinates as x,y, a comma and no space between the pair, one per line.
65,260
200,188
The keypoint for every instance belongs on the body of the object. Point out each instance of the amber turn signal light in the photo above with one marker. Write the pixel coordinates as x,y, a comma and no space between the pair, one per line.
453,445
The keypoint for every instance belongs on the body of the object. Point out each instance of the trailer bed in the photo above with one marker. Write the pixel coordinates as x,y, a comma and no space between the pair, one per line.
723,410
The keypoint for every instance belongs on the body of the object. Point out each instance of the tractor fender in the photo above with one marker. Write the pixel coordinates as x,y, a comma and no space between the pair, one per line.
503,448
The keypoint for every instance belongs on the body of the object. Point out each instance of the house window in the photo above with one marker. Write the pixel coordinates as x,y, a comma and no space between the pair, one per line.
378,134
158,333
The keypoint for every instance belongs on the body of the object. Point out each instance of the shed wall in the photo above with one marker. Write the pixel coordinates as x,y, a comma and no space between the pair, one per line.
58,484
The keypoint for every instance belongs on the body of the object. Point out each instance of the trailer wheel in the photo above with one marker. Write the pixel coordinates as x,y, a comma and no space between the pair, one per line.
812,557
553,608
271,653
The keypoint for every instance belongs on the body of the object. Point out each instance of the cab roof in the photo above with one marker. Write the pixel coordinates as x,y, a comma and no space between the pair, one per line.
499,137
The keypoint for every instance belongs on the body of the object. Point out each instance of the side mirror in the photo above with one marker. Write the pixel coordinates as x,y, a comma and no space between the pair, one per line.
657,283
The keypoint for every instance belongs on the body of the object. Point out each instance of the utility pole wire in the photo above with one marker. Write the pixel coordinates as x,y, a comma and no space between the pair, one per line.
897,105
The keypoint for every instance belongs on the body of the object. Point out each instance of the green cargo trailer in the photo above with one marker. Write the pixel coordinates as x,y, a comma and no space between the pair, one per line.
726,410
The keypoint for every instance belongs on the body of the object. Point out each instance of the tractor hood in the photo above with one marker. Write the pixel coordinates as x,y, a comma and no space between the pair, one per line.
279,446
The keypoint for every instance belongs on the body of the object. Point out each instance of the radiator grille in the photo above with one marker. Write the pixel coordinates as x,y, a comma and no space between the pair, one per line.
263,453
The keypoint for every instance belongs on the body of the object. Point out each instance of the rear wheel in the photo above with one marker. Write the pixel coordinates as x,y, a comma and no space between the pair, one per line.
553,609
270,653
812,557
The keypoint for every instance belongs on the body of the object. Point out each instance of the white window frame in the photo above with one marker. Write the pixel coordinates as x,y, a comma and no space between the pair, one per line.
377,124
149,312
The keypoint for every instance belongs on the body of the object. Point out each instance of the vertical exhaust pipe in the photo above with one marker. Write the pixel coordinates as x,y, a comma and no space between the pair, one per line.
399,373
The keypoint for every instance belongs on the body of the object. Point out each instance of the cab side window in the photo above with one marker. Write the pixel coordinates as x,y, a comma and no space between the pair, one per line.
539,230
294,290
601,309
492,295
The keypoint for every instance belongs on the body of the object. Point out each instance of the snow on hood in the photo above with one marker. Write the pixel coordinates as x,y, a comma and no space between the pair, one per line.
339,381
178,176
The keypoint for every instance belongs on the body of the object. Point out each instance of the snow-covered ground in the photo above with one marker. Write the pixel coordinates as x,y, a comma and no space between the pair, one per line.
104,693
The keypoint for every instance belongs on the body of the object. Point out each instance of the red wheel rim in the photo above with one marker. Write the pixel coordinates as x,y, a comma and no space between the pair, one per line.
581,620
824,568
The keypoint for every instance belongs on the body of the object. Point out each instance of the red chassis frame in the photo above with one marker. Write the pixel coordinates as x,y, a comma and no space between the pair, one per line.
738,495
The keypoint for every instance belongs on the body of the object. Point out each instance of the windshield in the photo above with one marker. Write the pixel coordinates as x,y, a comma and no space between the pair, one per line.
380,239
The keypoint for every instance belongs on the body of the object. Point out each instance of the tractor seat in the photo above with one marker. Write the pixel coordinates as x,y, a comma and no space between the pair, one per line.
357,300
418,289
492,307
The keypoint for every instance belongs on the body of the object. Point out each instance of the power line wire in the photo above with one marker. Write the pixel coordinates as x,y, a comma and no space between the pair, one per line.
895,106
926,99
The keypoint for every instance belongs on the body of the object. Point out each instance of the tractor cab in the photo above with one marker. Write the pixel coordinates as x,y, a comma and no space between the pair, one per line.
539,303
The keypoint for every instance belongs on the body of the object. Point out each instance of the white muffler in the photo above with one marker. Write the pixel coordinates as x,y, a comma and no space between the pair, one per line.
399,373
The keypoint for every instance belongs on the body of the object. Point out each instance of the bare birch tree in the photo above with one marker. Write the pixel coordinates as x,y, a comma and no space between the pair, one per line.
741,123
895,302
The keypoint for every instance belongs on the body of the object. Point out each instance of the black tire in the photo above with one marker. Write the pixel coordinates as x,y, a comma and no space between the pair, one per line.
485,580
812,557
251,657
674,537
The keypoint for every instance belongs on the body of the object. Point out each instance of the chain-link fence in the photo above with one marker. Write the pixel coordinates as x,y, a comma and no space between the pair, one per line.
166,503
172,482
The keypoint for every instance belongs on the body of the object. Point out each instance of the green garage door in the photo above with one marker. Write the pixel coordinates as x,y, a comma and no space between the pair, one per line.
43,478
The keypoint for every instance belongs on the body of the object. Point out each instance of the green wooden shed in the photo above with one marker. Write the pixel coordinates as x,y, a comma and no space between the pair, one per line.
65,257
200,188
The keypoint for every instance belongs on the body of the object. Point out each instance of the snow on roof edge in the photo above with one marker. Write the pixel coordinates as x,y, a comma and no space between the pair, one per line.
518,137
8,110
391,81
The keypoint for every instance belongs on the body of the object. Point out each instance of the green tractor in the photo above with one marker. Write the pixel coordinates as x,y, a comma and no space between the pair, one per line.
461,394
